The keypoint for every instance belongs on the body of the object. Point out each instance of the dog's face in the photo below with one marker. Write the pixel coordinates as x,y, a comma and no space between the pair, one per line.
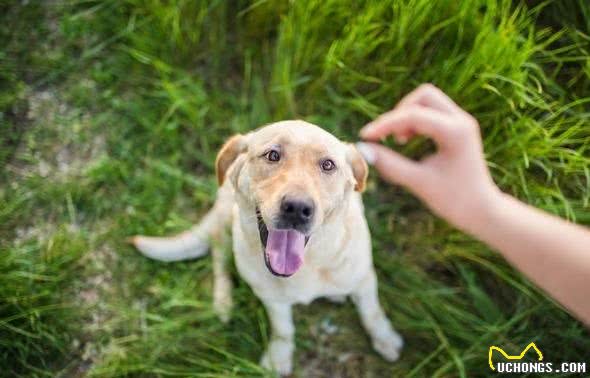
295,175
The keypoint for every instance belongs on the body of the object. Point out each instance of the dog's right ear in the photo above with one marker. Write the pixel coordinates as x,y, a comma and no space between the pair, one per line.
360,169
229,152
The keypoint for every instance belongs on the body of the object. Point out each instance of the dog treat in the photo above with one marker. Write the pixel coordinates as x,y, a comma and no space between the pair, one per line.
367,152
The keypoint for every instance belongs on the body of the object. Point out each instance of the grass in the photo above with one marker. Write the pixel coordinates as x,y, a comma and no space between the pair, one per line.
111,115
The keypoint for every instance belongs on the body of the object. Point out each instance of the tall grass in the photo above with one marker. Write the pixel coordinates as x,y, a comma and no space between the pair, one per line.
143,93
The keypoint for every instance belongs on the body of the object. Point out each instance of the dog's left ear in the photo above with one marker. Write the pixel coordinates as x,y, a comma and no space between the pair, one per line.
229,152
360,169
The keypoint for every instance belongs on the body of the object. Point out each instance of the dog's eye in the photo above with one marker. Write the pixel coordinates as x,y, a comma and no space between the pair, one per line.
273,155
328,165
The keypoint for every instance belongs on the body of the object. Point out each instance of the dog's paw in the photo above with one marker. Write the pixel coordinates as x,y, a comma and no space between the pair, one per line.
223,308
222,300
278,357
389,346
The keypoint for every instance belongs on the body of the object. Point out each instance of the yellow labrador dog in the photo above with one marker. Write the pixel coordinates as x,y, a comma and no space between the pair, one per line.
292,193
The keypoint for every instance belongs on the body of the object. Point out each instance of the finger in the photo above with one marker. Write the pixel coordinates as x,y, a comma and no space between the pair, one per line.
405,137
408,121
392,166
431,96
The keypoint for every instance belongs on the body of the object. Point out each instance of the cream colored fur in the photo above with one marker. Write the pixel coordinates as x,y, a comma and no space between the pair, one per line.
338,259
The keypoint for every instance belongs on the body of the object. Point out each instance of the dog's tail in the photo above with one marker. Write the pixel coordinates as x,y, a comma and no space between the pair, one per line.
195,242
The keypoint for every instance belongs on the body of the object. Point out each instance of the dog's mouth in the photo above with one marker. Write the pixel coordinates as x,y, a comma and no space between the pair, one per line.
282,248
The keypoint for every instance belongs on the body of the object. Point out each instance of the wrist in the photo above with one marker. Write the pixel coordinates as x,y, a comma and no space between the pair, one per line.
485,213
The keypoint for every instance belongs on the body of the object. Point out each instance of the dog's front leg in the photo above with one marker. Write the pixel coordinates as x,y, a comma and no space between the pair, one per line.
222,284
385,339
279,353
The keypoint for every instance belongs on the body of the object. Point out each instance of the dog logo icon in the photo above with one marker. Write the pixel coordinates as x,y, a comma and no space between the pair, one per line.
516,357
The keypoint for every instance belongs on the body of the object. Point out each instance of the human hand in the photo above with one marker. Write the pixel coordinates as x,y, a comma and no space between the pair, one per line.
455,181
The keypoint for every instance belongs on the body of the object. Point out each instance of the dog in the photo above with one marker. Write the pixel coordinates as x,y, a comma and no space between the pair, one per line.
292,193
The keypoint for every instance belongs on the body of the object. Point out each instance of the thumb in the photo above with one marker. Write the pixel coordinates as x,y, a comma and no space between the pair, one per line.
392,166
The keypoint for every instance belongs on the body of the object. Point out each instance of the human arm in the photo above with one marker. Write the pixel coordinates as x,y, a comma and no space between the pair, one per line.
455,184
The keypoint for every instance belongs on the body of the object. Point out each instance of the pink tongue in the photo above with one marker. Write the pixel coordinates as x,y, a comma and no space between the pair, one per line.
284,249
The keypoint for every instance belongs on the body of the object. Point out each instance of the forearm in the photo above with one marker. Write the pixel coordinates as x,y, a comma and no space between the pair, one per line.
455,184
553,253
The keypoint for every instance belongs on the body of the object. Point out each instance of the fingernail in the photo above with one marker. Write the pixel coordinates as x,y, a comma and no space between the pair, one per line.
367,152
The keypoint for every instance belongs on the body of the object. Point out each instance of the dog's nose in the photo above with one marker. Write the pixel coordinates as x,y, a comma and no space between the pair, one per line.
297,212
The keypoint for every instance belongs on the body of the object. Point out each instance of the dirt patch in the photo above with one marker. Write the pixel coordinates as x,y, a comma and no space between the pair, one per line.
60,141
97,285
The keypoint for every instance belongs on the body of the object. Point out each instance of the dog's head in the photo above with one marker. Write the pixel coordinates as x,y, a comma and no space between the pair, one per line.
296,176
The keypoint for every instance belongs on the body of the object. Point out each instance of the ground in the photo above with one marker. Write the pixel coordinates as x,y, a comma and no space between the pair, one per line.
111,113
